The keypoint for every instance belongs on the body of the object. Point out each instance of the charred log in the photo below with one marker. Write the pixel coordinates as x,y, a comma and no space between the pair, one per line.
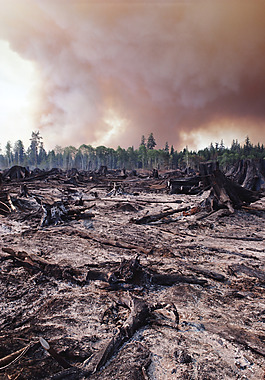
192,185
131,272
58,213
35,264
155,217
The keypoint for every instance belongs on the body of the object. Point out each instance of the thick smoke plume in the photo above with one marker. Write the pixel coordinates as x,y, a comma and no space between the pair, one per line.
113,71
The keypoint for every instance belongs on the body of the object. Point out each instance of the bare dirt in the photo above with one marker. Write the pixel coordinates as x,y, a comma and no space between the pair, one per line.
221,329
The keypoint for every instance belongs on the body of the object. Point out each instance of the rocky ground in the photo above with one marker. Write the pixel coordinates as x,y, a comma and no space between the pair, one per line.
211,329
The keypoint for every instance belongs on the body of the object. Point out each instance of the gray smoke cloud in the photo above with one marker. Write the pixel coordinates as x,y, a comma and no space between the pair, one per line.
113,71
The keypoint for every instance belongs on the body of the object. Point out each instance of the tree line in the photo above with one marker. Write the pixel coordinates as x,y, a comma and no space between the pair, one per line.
145,156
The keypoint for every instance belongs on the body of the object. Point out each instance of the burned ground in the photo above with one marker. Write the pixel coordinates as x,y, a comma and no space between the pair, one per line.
75,280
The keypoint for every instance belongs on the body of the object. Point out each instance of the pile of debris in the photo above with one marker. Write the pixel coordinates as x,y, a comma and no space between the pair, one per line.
224,193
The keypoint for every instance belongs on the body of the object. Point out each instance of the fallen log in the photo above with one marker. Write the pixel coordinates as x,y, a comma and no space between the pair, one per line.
131,272
171,279
251,341
140,200
207,273
155,217
243,238
251,272
36,264
108,242
191,186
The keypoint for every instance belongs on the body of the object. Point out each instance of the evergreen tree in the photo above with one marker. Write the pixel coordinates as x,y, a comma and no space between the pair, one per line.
19,152
142,156
142,141
9,155
34,148
42,155
166,149
151,141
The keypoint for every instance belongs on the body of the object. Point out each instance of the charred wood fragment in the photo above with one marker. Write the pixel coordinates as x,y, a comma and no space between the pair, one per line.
6,204
54,354
13,357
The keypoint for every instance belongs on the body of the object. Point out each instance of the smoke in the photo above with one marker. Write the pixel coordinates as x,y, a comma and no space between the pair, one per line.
111,72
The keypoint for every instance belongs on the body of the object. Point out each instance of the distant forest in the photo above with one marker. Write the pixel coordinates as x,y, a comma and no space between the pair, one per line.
146,156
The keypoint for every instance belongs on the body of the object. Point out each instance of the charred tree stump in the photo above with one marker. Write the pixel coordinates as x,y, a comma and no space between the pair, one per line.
24,191
250,174
155,173
16,173
103,170
224,192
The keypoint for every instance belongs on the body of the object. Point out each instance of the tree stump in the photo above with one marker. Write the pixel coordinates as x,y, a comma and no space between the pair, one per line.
224,192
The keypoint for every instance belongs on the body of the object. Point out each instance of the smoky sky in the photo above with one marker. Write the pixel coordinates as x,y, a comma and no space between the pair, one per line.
113,71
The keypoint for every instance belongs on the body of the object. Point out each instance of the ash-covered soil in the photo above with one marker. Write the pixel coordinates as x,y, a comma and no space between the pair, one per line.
221,329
